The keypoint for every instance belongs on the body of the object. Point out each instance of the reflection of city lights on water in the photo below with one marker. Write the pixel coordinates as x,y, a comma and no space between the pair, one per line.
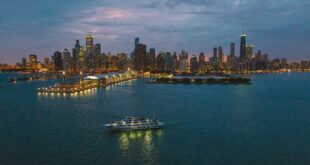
144,137
148,143
139,134
160,133
132,135
124,141
148,138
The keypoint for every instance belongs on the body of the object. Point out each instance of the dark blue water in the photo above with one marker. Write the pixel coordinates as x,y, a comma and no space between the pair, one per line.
267,122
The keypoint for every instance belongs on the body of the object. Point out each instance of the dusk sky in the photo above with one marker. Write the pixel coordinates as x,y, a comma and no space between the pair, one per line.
279,27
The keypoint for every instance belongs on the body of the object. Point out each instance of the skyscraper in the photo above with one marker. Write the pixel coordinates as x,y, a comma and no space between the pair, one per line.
96,54
201,58
151,59
201,62
215,52
160,61
194,65
75,55
168,61
220,54
33,59
232,49
232,60
214,59
97,49
89,43
24,61
183,61
58,62
137,42
243,47
66,60
174,62
80,62
249,51
140,57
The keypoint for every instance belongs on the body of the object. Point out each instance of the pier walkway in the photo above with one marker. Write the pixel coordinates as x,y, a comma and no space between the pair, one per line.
89,82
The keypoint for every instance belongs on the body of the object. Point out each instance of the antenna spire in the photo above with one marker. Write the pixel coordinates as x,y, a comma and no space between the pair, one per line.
243,29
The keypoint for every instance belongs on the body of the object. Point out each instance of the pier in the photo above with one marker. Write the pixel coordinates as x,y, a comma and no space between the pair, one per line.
90,82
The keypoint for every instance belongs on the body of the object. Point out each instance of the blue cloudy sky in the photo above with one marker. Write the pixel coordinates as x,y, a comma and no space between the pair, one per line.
279,27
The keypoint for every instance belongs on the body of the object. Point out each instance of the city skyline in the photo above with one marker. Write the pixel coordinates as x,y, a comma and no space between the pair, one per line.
195,26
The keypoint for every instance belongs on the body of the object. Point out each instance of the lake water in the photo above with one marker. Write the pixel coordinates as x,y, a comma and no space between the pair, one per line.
267,122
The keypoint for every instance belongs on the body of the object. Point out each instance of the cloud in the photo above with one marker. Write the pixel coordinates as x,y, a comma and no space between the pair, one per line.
194,25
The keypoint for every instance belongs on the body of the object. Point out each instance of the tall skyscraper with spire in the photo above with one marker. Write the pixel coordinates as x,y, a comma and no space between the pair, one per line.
243,56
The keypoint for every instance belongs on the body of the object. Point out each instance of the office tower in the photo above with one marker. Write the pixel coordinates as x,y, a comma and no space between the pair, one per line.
304,64
284,63
97,49
89,53
58,61
33,59
75,56
249,51
174,62
66,60
275,64
137,42
24,61
89,43
168,61
122,60
232,49
214,59
220,55
75,50
95,56
160,61
152,59
215,52
258,56
201,58
183,61
243,56
80,62
140,57
201,62
89,58
194,65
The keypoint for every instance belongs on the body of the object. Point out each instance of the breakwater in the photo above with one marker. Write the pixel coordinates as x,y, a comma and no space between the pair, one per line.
202,80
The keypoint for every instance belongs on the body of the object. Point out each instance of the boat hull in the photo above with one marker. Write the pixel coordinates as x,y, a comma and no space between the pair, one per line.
134,128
